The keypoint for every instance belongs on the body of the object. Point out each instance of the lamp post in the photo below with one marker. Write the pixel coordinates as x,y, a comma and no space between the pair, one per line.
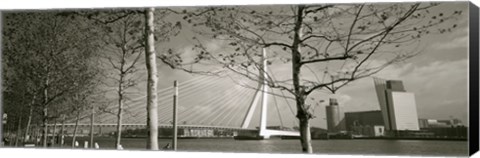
175,102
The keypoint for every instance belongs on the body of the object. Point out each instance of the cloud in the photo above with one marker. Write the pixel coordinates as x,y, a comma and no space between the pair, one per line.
458,38
459,42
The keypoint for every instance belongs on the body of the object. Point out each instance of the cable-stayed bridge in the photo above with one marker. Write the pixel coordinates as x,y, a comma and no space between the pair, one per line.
227,103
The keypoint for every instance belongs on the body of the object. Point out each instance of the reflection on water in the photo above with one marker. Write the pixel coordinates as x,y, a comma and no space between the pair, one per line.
364,147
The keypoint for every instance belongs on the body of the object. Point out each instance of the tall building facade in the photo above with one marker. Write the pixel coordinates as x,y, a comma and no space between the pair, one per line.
398,106
333,115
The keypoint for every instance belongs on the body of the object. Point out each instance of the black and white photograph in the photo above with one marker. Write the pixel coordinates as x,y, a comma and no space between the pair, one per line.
388,78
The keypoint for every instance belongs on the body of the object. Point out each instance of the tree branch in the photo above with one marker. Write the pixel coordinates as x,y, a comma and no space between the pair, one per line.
326,59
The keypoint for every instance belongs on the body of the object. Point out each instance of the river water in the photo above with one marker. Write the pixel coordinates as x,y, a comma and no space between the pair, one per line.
357,146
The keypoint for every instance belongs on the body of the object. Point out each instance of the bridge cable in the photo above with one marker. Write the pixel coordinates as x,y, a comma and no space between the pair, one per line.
288,103
229,109
231,116
161,100
239,109
188,103
138,98
166,105
222,99
278,110
209,100
239,106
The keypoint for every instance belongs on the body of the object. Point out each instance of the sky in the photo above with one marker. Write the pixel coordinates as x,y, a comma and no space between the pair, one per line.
438,78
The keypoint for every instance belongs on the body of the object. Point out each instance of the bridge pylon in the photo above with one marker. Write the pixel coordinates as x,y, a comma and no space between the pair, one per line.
263,87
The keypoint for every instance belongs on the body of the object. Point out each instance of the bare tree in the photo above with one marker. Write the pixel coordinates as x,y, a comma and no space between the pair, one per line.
325,46
123,51
151,64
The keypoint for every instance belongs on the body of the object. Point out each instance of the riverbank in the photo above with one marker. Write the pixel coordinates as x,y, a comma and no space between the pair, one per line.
414,138
334,138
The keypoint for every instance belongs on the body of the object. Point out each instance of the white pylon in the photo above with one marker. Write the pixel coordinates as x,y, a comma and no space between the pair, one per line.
263,116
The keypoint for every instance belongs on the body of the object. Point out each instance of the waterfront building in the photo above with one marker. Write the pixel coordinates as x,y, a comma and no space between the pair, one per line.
197,133
333,115
452,128
434,123
399,110
365,123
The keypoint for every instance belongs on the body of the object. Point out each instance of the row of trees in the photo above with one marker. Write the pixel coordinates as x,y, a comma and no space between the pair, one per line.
57,63
47,65
65,63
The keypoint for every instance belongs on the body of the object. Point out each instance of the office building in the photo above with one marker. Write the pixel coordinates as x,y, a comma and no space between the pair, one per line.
333,115
399,110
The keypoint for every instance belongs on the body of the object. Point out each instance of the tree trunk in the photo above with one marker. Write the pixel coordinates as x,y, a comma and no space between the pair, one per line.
37,135
29,121
19,131
54,133
62,133
45,127
92,117
304,117
45,136
11,130
305,136
119,114
150,58
303,114
45,114
75,129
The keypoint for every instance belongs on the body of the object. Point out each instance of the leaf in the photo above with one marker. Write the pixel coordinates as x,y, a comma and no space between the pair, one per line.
384,17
